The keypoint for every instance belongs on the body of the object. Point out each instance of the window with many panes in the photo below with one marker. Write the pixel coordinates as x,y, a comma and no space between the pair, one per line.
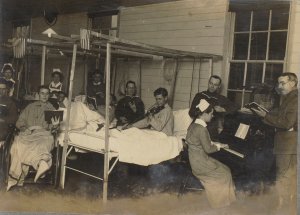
258,52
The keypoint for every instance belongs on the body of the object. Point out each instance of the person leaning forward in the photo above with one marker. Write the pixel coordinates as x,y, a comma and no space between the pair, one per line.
220,103
285,119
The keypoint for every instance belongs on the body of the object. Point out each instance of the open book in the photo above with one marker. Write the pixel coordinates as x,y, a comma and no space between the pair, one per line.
255,105
49,114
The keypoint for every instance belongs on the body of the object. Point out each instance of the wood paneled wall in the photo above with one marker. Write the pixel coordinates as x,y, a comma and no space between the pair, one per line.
293,61
189,25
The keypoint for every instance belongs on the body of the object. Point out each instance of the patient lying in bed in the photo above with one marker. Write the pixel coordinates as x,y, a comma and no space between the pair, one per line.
138,146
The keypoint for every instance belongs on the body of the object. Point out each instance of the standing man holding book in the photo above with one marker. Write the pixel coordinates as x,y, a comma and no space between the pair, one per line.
285,120
220,103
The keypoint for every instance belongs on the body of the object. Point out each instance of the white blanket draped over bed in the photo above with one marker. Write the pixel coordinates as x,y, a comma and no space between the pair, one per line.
138,146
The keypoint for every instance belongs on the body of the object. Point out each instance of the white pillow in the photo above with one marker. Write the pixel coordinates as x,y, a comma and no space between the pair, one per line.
182,120
81,115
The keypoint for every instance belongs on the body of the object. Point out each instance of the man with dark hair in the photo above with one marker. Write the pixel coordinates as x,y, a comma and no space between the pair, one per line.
285,120
8,111
160,116
96,88
221,105
131,108
61,99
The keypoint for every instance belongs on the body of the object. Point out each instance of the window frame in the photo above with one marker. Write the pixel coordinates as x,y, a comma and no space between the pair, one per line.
265,62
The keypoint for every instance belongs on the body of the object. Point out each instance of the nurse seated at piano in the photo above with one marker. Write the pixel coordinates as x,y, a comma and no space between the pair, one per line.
214,175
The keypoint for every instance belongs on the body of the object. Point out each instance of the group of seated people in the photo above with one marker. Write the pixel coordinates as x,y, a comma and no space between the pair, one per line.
34,143
129,111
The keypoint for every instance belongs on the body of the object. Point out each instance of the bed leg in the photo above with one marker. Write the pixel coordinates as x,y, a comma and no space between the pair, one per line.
63,166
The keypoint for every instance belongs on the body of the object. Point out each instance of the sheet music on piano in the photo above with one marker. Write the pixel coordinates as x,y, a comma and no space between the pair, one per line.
242,131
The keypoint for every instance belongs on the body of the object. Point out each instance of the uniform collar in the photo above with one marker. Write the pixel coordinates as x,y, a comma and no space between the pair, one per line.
97,84
55,85
201,122
11,80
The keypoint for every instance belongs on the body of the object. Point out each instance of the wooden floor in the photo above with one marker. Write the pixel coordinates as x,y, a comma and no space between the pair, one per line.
134,190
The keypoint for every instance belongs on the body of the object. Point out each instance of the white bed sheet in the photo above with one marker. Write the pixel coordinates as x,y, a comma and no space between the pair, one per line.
139,146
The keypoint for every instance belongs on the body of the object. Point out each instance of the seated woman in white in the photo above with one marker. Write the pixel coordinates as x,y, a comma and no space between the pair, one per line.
33,145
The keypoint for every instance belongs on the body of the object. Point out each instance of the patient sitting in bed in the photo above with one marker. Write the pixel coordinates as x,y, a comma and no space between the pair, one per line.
160,116
111,108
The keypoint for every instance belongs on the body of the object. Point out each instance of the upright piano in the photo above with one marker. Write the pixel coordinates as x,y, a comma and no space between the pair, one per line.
258,163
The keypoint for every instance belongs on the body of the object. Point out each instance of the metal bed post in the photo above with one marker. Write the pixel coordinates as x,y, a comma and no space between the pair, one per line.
43,65
211,66
173,84
66,138
107,101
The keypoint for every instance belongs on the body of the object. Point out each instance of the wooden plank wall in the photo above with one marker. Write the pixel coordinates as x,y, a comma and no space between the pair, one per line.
189,25
293,62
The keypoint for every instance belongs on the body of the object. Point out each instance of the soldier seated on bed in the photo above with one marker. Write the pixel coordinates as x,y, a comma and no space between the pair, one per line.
160,116
131,108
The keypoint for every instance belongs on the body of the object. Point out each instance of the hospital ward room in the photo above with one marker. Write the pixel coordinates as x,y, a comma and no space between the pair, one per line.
134,107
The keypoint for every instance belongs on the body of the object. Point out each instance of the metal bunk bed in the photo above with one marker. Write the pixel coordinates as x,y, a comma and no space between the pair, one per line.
93,43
